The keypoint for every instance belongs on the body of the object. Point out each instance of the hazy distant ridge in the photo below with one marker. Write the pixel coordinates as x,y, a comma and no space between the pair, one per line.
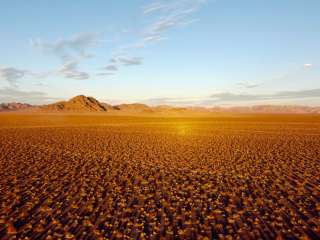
14,106
84,104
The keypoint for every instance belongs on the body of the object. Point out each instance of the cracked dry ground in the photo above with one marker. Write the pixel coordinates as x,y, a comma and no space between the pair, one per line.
100,177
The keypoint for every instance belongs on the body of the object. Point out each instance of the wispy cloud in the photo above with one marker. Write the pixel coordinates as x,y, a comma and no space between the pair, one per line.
170,101
244,97
69,70
111,68
70,48
9,94
105,74
249,85
308,65
71,51
154,38
129,61
108,70
155,6
11,75
171,15
162,25
237,99
169,6
164,16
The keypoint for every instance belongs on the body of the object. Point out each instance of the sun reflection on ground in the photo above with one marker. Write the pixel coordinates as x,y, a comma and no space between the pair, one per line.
183,130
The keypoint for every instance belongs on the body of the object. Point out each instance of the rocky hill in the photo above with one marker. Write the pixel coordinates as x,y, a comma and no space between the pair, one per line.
135,107
14,106
79,103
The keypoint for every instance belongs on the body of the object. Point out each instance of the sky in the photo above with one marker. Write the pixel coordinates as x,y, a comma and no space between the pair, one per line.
174,52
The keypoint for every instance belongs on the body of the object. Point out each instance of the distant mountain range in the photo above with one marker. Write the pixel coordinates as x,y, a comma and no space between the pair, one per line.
83,104
14,106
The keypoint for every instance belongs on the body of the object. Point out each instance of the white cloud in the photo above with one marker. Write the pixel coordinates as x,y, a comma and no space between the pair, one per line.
68,49
71,51
156,6
11,75
105,74
154,38
164,16
10,94
111,68
249,85
308,65
233,97
169,6
129,61
69,70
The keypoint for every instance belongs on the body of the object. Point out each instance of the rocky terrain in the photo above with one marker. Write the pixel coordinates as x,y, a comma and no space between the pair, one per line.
95,176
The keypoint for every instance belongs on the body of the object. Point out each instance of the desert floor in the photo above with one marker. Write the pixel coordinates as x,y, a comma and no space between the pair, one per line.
116,177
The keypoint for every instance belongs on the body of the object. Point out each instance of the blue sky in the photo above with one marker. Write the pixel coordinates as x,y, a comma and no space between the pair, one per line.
180,52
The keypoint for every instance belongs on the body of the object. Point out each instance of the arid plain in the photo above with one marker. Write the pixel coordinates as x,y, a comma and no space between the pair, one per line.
220,176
